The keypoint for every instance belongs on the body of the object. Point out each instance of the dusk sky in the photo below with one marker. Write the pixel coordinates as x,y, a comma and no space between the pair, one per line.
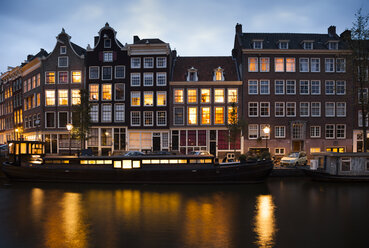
192,27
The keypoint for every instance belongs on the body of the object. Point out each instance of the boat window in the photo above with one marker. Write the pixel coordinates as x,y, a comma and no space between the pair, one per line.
136,164
173,161
83,161
91,161
208,161
23,148
99,161
183,161
127,164
65,161
193,161
108,161
117,164
164,161
146,161
49,161
155,161
345,164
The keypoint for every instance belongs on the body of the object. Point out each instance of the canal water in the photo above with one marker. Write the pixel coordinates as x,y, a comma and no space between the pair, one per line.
290,212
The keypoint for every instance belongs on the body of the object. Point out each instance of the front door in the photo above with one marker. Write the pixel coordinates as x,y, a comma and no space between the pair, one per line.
213,147
297,146
156,143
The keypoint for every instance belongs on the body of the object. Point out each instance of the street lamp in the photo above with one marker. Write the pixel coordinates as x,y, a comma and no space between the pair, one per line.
16,133
266,130
69,128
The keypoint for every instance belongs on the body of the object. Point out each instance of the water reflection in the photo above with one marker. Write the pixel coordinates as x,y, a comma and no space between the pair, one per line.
265,223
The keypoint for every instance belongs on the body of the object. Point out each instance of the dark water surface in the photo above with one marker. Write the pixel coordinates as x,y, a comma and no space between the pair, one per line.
279,213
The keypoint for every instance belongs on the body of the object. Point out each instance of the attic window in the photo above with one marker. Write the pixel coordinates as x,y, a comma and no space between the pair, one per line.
63,50
218,74
283,44
333,45
258,44
192,74
308,45
107,43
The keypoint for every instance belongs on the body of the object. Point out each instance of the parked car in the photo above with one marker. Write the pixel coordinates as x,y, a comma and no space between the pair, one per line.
294,159
199,153
134,153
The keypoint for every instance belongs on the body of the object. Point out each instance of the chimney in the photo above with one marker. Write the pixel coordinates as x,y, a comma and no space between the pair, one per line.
238,28
346,35
96,39
29,57
332,31
135,39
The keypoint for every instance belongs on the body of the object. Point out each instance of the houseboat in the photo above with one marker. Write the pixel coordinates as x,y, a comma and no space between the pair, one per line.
28,163
339,167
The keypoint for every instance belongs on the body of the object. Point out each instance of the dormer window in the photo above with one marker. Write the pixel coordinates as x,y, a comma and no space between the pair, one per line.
283,44
308,45
333,45
107,43
192,74
218,74
63,50
258,44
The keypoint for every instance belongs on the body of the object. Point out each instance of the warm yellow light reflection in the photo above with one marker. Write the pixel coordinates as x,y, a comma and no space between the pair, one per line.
265,226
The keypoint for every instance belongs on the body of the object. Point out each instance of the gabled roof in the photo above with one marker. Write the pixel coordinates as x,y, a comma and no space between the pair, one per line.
79,50
205,68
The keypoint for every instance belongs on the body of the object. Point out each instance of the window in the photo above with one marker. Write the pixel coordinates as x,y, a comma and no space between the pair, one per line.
50,119
219,115
253,109
119,92
329,109
315,132
329,131
279,87
94,72
315,65
161,62
341,87
178,116
192,115
290,65
262,133
108,57
279,64
63,97
205,95
258,44
264,109
340,65
135,79
341,109
62,77
106,91
161,78
38,100
333,45
76,97
76,77
308,45
94,113
63,61
360,119
148,79
264,87
161,118
280,132
192,74
107,73
161,98
49,78
304,109
232,95
290,87
120,71
148,62
94,92
119,112
283,45
315,87
329,65
253,131
135,98
50,97
329,87
191,95
232,115
38,80
264,64
148,98
304,87
253,87
218,74
219,95
148,118
205,115
63,119
279,151
63,50
315,109
279,109
178,96
304,65
136,62
253,64
135,118
290,109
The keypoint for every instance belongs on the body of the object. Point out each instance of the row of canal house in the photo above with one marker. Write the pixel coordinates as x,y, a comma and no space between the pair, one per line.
145,97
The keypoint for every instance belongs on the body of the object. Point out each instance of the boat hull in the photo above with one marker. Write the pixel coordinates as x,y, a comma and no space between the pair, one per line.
321,176
242,173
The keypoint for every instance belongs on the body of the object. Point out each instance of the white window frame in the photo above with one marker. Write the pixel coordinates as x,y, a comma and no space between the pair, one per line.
253,128
267,64
115,72
132,96
254,85
152,118
133,66
307,104
308,87
138,77
267,87
276,132
148,75
116,111
283,105
329,67
148,59
158,74
334,131
310,46
338,69
294,87
102,112
266,104
102,73
257,109
330,105
98,72
158,62
293,69
256,64
63,50
313,63
115,92
330,84
344,131
157,118
311,109
164,93
139,115
259,42
275,87
148,93
294,107
303,63
108,56
343,85
59,77
63,57
98,113
312,82
313,130
344,109
275,64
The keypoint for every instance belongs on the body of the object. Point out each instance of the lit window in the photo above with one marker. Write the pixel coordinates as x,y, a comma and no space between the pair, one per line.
63,77
232,95
148,79
107,73
191,96
94,92
279,64
38,82
135,118
62,61
76,97
264,64
148,62
135,98
63,97
94,72
161,118
50,77
119,112
161,98
232,115
161,78
290,65
106,91
148,98
315,65
192,115
205,95
218,74
219,95
135,79
253,64
161,62
108,56
135,62
50,97
38,99
205,115
120,71
148,118
178,96
219,115
76,76
119,92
